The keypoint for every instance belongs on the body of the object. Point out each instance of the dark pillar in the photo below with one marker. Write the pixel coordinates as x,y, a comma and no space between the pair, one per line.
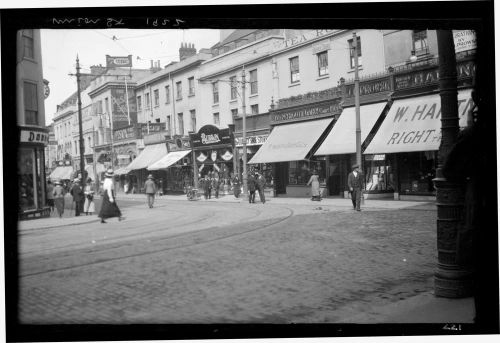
453,277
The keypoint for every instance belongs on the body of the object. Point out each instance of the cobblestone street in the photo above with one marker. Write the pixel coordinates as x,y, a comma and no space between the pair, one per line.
215,262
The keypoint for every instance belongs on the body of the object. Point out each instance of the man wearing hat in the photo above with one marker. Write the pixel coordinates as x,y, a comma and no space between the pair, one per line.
78,197
150,189
355,184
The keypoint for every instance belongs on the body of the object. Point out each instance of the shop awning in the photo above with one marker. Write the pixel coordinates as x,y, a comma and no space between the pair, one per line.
169,159
414,124
90,170
342,137
291,142
148,156
121,171
62,173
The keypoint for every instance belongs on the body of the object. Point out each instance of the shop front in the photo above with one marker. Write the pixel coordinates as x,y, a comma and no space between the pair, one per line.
213,152
339,149
403,153
298,127
31,173
174,171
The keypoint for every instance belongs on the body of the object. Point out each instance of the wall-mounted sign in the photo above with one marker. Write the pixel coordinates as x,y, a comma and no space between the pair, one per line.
210,135
154,138
178,144
370,87
34,136
302,38
464,40
153,127
310,112
129,132
251,140
119,105
118,61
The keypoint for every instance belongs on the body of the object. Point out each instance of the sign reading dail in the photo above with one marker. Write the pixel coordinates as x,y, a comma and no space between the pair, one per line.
210,135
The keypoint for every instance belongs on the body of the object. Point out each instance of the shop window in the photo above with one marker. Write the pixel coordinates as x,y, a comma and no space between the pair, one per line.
294,70
299,172
379,173
30,103
28,44
234,90
215,92
323,63
351,52
253,82
417,170
26,176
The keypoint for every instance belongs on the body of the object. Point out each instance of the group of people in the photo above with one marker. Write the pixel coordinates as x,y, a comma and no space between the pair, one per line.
83,197
210,182
256,182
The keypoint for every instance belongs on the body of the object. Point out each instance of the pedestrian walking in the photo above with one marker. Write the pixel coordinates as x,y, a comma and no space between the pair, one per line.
50,196
58,194
109,208
314,182
236,187
260,184
89,205
216,185
150,189
251,183
207,187
355,184
78,197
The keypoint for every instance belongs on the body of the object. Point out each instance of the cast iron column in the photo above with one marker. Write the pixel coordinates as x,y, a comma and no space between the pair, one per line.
452,279
82,147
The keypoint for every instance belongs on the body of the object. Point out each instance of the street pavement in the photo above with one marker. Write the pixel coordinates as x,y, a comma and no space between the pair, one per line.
223,260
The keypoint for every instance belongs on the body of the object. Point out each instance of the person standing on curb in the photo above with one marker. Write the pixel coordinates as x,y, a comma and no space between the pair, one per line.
78,198
216,185
251,183
314,182
109,208
89,206
150,189
236,187
58,195
50,196
355,184
261,183
207,187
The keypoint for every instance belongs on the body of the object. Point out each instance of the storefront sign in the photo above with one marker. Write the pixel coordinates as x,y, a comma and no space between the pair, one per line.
154,138
178,144
302,38
227,156
153,127
370,87
210,135
129,132
251,140
464,40
311,112
118,61
34,136
431,76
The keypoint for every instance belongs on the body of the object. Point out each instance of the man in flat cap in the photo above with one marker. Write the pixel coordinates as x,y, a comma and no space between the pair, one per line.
355,184
78,196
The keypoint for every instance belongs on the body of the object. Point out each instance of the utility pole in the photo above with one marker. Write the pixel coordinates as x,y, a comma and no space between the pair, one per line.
82,147
96,181
126,94
243,108
356,100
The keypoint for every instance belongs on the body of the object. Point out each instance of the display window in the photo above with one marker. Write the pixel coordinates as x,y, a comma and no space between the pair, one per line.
29,178
417,170
265,169
379,173
299,172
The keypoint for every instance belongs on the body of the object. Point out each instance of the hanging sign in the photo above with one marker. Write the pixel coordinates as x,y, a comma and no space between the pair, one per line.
201,157
118,61
210,135
213,156
227,155
464,40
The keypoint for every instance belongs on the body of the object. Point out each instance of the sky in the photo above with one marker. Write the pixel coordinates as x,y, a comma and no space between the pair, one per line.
60,48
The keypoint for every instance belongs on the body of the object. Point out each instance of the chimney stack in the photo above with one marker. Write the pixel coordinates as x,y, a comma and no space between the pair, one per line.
186,50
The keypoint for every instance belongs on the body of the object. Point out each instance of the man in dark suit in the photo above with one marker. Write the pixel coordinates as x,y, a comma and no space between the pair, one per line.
355,184
78,196
251,183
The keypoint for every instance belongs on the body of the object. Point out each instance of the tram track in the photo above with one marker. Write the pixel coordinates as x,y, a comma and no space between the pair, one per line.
187,240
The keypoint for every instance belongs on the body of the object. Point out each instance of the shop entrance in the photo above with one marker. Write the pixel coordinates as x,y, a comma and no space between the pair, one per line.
281,177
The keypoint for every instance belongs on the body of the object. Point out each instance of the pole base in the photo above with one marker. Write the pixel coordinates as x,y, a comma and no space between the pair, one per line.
453,284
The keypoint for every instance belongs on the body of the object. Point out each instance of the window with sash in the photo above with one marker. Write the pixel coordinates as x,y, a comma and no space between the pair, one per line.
323,63
139,103
254,109
193,120
167,94
351,52
180,121
253,82
191,85
294,70
179,89
420,42
234,89
30,103
215,92
216,119
28,44
156,94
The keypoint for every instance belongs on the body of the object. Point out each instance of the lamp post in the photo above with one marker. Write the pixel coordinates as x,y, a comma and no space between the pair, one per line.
244,136
82,148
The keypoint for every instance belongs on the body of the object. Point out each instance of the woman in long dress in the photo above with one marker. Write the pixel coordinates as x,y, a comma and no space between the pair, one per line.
314,182
89,206
58,193
109,209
